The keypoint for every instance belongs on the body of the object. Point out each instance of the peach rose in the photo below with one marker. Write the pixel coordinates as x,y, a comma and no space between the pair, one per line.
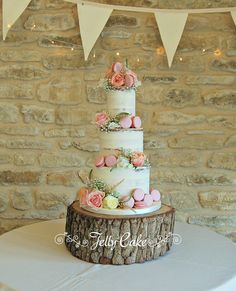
83,195
117,80
101,118
138,159
94,198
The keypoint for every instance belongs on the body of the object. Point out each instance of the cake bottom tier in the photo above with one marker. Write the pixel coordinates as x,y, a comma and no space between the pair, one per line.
126,179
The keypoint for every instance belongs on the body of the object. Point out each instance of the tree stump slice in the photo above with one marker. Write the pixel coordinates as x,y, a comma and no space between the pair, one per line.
118,240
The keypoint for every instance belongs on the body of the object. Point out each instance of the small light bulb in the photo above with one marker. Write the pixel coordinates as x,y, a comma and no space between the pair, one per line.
117,53
181,59
53,41
160,51
204,50
94,56
9,25
72,48
138,60
217,52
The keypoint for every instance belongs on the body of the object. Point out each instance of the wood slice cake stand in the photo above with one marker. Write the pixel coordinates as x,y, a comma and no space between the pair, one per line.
118,240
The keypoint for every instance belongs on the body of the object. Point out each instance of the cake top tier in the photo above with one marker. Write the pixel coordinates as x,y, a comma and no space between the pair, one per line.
120,84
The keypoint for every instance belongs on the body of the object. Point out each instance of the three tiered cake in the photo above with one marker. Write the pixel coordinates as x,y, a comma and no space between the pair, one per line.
120,179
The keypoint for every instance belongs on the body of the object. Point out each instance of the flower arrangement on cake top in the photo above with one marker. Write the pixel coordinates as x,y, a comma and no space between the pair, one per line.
97,194
120,121
120,77
123,159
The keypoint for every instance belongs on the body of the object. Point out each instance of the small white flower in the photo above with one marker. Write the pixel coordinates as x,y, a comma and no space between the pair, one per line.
113,125
122,162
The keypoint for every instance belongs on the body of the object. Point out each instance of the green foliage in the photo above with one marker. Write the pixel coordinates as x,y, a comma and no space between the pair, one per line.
98,184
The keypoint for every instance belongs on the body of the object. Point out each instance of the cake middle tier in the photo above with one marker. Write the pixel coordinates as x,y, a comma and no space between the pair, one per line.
127,179
125,138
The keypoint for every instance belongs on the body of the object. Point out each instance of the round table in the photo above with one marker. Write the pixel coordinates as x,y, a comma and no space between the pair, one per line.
31,260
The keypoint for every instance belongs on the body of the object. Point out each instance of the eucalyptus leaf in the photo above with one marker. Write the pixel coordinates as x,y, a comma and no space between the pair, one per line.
90,174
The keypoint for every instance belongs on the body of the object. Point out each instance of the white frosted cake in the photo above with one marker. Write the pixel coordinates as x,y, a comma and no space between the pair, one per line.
119,183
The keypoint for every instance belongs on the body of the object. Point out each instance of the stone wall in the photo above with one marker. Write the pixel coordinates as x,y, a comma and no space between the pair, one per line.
48,98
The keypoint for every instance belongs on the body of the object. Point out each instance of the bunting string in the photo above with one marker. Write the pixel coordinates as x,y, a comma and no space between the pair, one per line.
153,10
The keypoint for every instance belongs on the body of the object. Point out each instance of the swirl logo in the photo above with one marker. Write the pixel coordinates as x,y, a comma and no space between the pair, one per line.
177,239
59,238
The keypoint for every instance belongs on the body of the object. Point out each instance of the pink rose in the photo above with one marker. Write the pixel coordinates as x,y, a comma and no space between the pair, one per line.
131,73
94,198
129,80
138,159
117,80
101,118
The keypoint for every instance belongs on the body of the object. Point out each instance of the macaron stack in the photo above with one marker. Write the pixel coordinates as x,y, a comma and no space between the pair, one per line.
140,199
130,122
106,161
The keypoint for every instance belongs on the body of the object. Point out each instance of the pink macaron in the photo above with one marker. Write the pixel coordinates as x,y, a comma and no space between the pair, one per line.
136,122
138,194
129,203
126,122
100,162
110,160
116,67
139,204
148,200
156,196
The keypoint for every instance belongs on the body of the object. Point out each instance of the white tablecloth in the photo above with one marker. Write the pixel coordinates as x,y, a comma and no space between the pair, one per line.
31,260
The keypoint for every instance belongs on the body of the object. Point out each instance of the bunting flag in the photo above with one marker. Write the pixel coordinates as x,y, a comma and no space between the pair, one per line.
171,26
233,14
92,20
93,17
11,10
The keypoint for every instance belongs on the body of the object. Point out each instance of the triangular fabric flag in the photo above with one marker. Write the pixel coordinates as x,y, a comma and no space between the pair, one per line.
11,10
171,26
233,14
92,20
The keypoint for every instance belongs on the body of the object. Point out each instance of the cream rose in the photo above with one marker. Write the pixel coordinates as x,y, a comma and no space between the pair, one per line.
110,202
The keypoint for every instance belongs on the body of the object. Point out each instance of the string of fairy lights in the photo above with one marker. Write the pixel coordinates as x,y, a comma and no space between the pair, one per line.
160,51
